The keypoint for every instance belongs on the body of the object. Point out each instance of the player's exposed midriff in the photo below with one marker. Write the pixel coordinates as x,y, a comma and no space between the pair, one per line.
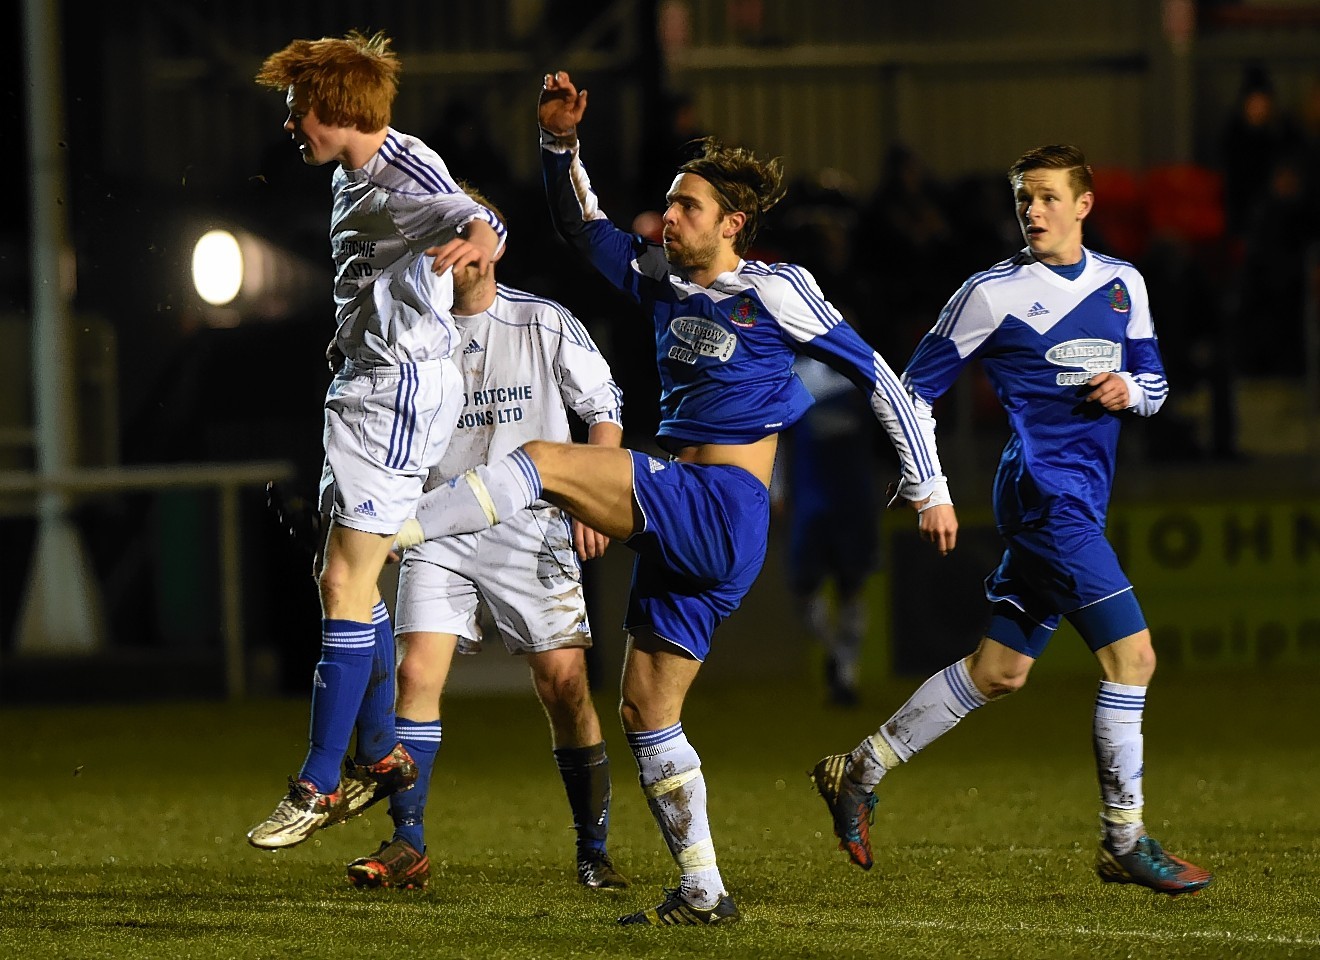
757,458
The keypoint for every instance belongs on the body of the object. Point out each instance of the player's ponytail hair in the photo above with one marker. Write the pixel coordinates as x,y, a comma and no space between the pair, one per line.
742,182
1056,156
349,81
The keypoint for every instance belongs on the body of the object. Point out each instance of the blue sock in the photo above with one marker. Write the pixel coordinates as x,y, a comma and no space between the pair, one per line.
408,809
375,719
337,688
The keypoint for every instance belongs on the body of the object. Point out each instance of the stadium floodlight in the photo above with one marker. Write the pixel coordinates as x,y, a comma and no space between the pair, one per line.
240,276
217,267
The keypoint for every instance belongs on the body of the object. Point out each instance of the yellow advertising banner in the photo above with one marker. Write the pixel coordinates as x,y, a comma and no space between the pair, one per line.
1221,584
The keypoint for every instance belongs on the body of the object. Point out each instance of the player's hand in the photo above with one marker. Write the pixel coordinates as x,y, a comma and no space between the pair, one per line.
458,253
561,105
938,525
588,543
1110,391
334,357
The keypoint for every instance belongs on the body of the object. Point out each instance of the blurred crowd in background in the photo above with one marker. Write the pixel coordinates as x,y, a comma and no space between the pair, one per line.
1224,246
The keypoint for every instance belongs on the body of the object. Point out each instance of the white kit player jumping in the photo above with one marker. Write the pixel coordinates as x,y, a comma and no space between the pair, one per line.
399,224
524,361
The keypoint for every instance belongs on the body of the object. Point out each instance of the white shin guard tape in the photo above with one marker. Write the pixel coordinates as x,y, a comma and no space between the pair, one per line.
699,856
1117,815
478,487
669,784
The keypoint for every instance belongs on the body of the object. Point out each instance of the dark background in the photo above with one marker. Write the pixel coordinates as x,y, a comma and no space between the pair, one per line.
165,135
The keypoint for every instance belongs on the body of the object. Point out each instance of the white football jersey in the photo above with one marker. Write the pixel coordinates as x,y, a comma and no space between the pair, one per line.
390,308
525,362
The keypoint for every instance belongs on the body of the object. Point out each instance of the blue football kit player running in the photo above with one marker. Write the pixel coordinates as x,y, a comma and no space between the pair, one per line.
727,331
1066,337
398,224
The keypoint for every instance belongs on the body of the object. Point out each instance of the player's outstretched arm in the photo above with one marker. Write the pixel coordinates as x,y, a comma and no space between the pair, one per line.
561,105
574,209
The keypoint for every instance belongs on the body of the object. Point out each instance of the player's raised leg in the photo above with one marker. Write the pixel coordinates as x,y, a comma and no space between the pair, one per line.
592,483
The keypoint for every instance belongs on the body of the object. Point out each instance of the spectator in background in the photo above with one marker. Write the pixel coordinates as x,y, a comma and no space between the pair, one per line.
908,242
1255,138
826,473
827,488
1267,202
1276,239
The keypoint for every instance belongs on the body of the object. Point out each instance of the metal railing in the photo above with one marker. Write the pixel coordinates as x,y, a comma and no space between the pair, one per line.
226,479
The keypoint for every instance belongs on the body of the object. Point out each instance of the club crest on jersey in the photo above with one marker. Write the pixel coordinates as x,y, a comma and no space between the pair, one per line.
1118,299
743,313
1092,356
703,338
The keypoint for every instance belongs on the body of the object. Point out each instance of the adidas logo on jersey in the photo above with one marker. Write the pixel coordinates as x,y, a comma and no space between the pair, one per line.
316,679
654,465
473,347
366,508
1036,310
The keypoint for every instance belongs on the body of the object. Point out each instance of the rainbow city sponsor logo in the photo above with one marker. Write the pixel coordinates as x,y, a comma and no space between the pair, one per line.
1090,356
703,338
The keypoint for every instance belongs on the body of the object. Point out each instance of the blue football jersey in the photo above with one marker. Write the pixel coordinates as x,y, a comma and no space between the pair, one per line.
1040,337
725,352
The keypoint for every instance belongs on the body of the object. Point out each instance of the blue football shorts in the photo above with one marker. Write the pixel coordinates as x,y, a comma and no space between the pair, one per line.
1062,568
701,546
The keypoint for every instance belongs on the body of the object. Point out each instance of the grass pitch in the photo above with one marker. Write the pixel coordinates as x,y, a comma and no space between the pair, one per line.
122,834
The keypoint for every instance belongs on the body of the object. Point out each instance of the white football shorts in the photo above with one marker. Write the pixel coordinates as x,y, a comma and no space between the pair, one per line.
384,426
525,570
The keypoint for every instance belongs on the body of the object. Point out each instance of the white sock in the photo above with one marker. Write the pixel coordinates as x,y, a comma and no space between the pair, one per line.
1119,763
932,711
816,613
848,642
670,774
478,499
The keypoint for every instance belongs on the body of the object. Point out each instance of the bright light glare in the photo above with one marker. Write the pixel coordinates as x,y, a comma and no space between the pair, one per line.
217,267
